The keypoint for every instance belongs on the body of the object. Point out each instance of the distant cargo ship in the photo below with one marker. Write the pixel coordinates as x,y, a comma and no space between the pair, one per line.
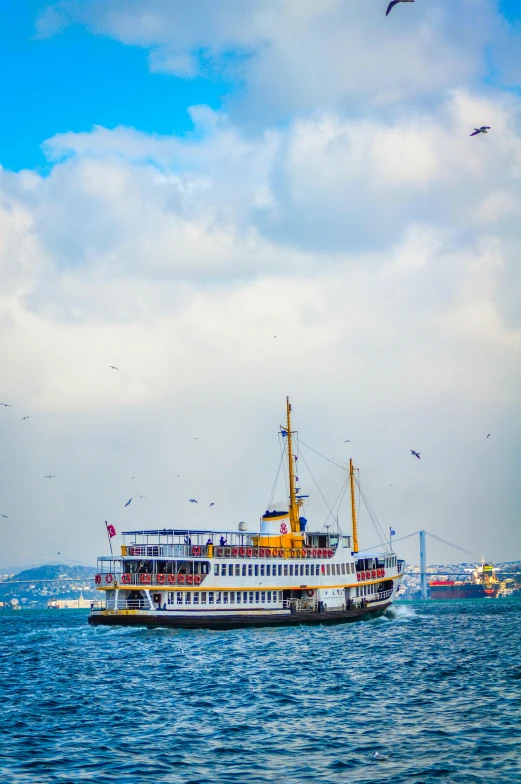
483,584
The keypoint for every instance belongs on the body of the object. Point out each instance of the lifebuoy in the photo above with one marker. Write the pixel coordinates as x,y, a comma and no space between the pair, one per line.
319,553
108,578
235,552
171,579
125,578
197,579
180,579
373,574
330,553
268,552
362,575
249,552
97,579
314,553
190,579
161,579
144,578
219,551
255,552
227,552
242,551
358,576
196,550
281,553
310,592
261,552
383,572
292,553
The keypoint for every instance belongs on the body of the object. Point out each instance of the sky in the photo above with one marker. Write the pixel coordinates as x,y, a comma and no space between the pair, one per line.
182,182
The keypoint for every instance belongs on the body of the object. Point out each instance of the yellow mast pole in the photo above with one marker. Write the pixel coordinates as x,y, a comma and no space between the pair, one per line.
353,506
293,508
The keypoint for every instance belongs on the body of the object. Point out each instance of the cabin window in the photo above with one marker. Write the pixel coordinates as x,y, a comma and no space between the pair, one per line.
307,569
268,570
291,570
238,597
218,597
179,597
322,568
302,570
257,597
280,596
188,597
280,570
262,570
210,597
196,597
223,570
203,597
250,570
328,569
171,599
225,597
263,597
244,570
230,570
251,597
268,596
256,570
216,569
205,568
285,570
237,570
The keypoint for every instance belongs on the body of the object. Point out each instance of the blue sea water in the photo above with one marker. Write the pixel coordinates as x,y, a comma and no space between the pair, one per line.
434,686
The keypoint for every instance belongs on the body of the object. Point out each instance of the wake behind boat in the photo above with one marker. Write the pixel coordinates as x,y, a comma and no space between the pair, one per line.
281,575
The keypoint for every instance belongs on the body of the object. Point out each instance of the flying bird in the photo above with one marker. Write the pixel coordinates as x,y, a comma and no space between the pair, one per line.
488,435
193,501
50,476
27,417
483,129
6,517
128,502
416,454
113,367
348,441
212,504
6,405
141,496
395,2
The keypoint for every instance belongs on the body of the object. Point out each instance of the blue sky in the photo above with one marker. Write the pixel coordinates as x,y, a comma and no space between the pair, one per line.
75,80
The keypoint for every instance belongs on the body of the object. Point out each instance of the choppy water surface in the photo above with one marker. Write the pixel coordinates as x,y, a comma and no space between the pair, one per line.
436,687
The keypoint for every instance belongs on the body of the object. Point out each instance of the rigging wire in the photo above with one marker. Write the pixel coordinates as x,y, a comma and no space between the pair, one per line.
338,500
325,458
372,516
316,483
273,489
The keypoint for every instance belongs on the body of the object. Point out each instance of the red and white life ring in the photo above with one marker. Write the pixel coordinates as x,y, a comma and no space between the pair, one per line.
171,579
197,579
161,579
310,592
109,578
144,579
196,550
125,578
97,579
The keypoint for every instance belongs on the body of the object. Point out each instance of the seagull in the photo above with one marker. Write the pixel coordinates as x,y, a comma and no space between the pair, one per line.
128,502
193,501
113,367
348,441
50,476
395,2
141,496
6,405
6,517
27,417
212,504
488,435
483,129
377,755
416,454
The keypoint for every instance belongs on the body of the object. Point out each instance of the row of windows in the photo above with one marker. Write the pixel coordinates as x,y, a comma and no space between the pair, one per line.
224,597
365,590
279,570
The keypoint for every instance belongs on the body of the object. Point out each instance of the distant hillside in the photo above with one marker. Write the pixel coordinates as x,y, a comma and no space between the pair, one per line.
36,585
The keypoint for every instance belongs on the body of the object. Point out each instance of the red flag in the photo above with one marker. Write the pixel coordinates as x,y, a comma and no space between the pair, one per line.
111,531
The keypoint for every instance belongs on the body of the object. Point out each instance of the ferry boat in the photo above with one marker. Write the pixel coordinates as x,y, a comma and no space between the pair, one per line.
279,575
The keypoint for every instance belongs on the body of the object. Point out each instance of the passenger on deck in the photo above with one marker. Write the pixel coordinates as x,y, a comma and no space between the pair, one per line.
222,541
209,542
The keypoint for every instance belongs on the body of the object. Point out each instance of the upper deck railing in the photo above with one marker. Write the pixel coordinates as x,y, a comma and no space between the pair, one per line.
221,551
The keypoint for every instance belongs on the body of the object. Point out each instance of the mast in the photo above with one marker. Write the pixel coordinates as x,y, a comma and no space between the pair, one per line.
293,506
353,506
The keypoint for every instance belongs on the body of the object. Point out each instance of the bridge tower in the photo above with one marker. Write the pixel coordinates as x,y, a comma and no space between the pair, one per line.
423,564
